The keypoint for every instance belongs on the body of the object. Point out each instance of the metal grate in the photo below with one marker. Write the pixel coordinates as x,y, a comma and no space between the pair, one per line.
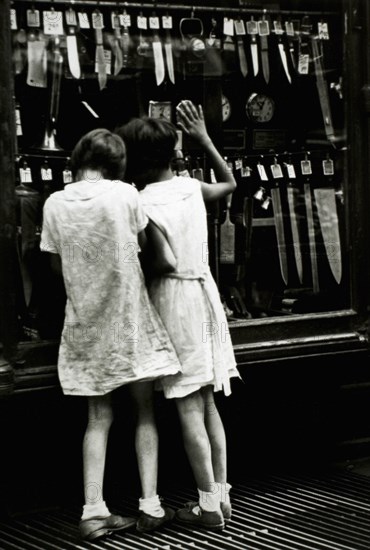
328,511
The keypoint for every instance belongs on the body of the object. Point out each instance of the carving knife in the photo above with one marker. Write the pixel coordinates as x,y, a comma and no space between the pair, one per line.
328,218
293,199
322,89
265,58
311,237
280,235
284,59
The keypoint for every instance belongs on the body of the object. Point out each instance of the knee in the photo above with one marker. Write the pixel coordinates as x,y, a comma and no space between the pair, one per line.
100,418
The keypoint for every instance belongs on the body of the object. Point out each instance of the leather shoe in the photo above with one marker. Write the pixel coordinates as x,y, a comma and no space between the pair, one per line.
147,523
226,512
213,521
97,527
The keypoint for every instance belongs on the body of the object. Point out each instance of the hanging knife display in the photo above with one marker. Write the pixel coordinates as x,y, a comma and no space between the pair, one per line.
264,31
100,65
167,25
116,43
252,30
306,170
279,32
322,88
328,217
72,51
279,223
293,202
240,33
157,50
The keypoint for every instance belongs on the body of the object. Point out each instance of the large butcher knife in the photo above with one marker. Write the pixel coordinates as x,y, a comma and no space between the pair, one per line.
328,218
311,237
280,235
293,200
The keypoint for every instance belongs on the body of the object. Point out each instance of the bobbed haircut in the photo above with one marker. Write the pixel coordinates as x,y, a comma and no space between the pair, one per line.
101,150
150,143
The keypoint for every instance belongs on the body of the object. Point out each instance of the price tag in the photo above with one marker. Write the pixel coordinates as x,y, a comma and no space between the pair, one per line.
278,27
25,174
67,176
33,18
107,61
97,20
263,27
289,28
239,27
83,20
306,167
266,203
167,22
246,171
238,164
276,170
328,167
115,20
290,169
154,22
142,22
46,173
125,20
323,31
228,26
53,22
303,63
262,172
13,20
71,17
252,27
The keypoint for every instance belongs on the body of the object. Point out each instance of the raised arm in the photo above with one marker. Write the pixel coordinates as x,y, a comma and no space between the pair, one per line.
191,120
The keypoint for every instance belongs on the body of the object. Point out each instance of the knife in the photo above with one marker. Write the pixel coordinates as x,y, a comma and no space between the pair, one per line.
311,237
293,201
280,235
242,58
328,218
169,57
254,53
265,58
100,59
284,59
72,53
322,89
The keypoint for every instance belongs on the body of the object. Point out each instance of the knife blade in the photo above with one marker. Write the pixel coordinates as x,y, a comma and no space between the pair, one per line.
284,60
280,235
158,59
311,237
169,57
254,54
72,54
293,201
100,59
322,88
328,217
242,58
265,58
116,47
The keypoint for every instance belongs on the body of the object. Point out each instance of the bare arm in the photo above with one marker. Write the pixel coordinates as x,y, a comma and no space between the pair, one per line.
191,121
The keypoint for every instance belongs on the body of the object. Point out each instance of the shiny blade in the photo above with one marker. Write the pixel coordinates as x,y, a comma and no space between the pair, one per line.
254,53
293,194
328,218
311,237
72,55
100,59
169,61
284,61
118,55
158,61
265,58
242,58
322,88
280,235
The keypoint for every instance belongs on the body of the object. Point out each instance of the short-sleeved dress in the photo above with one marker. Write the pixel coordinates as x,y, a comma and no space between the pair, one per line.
112,334
188,300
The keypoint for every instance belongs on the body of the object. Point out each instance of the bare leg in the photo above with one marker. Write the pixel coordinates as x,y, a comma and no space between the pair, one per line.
100,418
196,441
146,438
216,434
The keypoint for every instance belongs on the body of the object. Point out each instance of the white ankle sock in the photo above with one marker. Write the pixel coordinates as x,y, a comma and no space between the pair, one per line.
151,506
95,510
209,501
224,490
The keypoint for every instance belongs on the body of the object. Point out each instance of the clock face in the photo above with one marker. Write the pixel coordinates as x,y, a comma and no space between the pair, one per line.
160,109
226,108
260,108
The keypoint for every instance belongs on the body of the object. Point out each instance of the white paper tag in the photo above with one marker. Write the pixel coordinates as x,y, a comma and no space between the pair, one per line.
323,31
125,19
67,176
13,20
97,20
53,22
46,174
25,174
290,169
263,27
107,61
328,167
154,22
262,172
239,27
71,17
142,22
228,26
238,164
167,21
266,203
289,28
252,27
83,20
115,20
18,122
278,27
303,63
33,18
246,171
306,167
276,170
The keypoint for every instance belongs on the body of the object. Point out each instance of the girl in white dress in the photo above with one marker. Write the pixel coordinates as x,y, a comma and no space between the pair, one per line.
112,334
188,300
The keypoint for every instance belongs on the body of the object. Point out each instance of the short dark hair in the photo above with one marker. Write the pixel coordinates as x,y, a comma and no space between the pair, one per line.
150,144
100,149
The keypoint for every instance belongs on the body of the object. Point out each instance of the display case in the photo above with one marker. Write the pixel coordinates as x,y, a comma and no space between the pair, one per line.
284,88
